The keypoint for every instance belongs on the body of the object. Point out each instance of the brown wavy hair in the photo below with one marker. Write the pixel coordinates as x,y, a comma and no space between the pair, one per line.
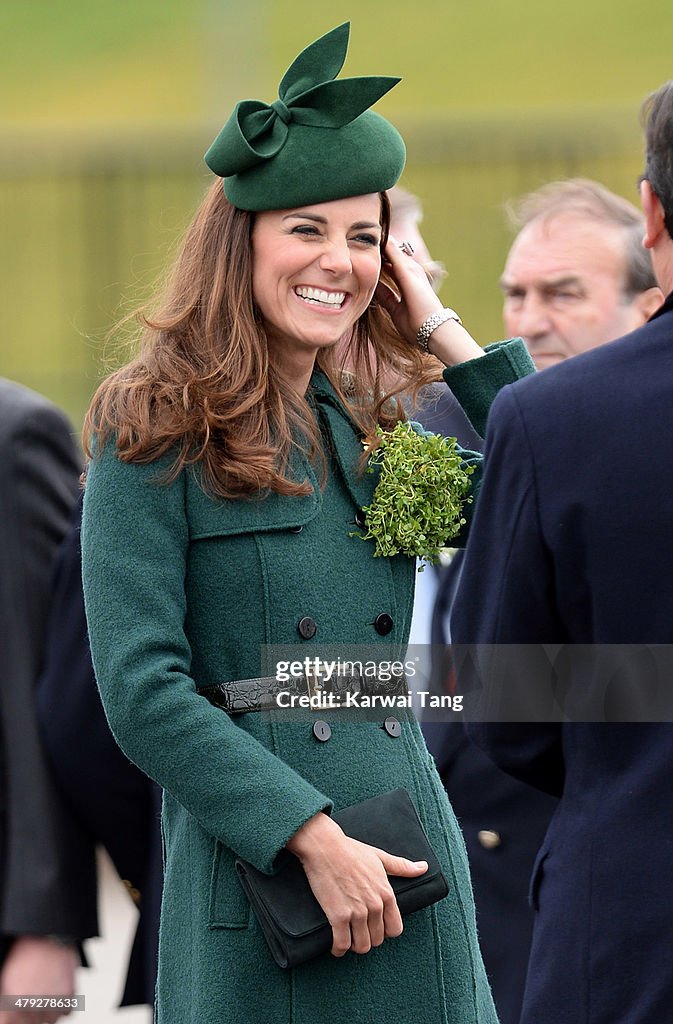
204,387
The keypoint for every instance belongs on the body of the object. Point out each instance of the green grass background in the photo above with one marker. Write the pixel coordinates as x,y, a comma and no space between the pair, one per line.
119,60
496,98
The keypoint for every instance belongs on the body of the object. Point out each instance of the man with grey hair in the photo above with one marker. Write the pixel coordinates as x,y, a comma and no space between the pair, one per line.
571,547
577,274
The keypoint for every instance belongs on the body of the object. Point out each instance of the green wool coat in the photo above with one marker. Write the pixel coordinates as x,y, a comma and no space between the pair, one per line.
183,591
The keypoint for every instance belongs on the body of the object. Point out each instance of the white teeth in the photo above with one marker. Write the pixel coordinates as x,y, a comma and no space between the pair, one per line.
318,295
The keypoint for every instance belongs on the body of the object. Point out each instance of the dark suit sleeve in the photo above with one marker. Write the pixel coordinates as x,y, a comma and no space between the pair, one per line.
48,881
506,597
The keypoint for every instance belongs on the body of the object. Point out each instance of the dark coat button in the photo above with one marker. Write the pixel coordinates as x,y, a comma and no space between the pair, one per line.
296,529
383,624
360,519
321,731
392,727
307,627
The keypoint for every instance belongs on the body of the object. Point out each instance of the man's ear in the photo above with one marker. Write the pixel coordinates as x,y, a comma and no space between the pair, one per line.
654,214
648,302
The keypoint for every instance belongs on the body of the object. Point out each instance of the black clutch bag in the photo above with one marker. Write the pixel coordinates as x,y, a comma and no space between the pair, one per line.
290,916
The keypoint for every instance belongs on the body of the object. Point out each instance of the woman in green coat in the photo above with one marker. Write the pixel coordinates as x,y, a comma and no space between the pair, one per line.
221,519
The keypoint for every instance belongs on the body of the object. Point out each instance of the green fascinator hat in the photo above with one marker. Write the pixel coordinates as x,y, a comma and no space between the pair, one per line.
317,142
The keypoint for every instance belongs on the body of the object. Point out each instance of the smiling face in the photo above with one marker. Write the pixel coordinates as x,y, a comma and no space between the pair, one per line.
315,270
564,287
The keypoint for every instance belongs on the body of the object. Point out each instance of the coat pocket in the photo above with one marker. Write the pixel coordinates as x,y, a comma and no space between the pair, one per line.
228,906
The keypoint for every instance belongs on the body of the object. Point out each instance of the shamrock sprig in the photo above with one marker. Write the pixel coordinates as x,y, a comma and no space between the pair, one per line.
417,505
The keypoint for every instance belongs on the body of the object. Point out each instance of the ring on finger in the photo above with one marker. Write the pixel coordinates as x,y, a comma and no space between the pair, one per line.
407,248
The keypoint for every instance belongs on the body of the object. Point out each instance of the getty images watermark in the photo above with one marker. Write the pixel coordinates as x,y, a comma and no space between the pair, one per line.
499,683
330,681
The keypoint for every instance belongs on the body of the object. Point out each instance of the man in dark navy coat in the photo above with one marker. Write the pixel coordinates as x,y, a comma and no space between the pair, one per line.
576,277
571,545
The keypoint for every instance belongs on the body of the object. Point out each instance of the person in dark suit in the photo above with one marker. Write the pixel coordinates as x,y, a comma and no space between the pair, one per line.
47,877
576,277
113,801
571,546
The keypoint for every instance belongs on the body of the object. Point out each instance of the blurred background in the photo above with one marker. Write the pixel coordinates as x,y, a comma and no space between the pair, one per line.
107,108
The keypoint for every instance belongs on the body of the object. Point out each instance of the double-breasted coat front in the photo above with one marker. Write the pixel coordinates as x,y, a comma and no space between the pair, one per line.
183,591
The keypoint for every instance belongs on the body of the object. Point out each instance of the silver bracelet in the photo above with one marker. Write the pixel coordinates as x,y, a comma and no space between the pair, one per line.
432,323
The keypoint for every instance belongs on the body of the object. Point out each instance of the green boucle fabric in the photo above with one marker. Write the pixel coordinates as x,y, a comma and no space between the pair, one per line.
318,165
507,361
183,591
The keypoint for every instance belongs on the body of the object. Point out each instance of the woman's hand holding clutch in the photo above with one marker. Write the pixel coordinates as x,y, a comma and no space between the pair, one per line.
350,881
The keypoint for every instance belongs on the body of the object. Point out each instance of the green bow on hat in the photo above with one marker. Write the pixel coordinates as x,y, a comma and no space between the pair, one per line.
318,141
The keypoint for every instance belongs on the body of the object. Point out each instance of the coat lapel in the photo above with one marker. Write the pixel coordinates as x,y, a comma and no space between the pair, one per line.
345,439
212,517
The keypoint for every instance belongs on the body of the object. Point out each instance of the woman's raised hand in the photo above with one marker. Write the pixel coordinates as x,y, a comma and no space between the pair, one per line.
350,881
416,301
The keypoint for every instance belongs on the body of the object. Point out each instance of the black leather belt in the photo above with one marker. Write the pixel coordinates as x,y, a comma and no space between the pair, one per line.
239,696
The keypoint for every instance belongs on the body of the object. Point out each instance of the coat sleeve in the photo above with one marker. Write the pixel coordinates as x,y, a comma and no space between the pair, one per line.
475,384
134,553
48,883
505,608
